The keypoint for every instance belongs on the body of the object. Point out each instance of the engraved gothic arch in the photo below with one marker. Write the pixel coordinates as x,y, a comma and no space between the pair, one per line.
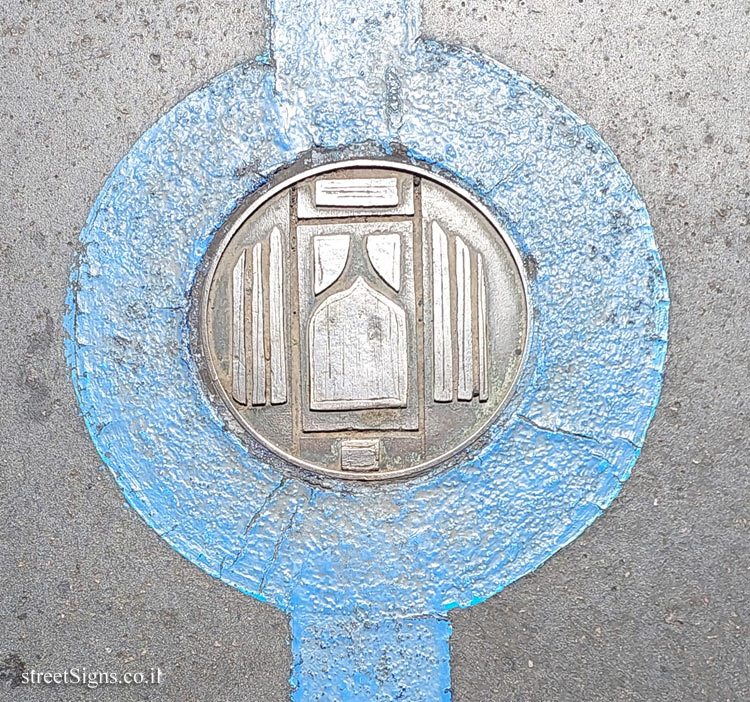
357,351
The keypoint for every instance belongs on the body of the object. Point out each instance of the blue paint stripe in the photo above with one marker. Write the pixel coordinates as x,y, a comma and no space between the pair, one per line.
375,658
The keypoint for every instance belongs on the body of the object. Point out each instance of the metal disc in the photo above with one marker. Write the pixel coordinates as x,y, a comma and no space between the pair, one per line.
363,319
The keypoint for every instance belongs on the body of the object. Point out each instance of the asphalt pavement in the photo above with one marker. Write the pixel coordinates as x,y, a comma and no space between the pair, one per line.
651,603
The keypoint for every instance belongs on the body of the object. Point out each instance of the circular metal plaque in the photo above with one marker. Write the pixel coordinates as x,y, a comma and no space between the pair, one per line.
364,319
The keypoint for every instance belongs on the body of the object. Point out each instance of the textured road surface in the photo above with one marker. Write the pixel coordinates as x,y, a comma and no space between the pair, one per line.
651,603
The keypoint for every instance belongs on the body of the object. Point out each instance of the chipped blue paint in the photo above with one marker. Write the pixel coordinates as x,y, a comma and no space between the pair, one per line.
369,572
397,658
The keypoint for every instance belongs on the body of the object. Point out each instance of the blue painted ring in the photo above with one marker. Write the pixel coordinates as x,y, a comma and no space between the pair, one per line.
443,539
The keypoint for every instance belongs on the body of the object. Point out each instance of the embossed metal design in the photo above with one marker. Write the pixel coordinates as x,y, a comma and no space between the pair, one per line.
384,251
357,351
239,360
356,192
372,313
276,317
329,259
258,329
442,326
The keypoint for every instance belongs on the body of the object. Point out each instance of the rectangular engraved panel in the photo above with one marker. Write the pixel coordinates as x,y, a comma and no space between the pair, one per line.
239,370
360,454
464,322
442,347
356,197
356,192
258,340
482,330
355,327
276,314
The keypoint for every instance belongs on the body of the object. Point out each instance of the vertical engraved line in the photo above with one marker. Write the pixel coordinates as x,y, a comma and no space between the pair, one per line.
463,309
419,295
239,367
474,257
258,338
453,311
266,304
276,316
442,348
296,384
482,351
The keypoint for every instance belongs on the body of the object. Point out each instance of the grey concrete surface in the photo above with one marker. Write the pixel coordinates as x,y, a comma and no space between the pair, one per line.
651,603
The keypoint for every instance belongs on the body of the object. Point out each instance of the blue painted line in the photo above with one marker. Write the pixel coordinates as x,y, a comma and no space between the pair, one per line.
354,564
395,659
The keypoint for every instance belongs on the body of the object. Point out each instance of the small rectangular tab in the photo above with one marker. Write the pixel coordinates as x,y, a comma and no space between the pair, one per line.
356,192
360,454
373,194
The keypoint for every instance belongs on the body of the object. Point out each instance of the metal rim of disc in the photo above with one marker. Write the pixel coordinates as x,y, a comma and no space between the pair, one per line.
213,256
